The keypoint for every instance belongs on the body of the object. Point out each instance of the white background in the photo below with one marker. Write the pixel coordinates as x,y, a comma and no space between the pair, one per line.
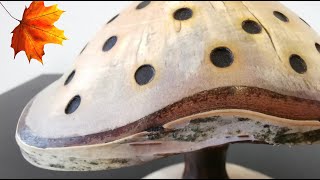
80,22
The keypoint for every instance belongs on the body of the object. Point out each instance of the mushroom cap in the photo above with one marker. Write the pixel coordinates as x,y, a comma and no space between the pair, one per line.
163,78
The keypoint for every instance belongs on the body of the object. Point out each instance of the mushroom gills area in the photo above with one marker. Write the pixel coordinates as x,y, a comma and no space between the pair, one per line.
181,136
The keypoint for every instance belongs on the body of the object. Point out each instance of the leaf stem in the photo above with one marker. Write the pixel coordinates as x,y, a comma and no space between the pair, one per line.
9,12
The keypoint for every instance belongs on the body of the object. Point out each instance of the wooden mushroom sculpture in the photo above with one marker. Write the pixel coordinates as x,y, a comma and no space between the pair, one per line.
164,78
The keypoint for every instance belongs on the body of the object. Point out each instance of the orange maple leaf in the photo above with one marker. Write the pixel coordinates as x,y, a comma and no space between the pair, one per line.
36,29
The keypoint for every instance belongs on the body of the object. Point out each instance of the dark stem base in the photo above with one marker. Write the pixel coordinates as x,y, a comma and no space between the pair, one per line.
209,163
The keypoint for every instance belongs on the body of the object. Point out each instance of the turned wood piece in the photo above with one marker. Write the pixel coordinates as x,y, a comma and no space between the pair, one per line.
166,78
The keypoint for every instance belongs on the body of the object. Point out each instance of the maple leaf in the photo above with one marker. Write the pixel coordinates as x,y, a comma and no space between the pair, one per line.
36,29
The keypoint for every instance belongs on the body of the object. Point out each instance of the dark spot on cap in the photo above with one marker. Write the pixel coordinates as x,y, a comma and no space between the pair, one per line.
280,16
221,57
183,14
143,4
251,27
317,47
73,105
298,64
144,74
109,43
112,19
70,77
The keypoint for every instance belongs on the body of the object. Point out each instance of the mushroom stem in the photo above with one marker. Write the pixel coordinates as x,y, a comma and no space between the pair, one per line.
209,163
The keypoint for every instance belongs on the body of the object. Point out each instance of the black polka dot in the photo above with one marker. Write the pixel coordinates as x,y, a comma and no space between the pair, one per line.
112,19
280,16
144,74
318,47
83,48
110,43
251,27
183,14
143,4
298,64
73,105
221,57
305,22
70,77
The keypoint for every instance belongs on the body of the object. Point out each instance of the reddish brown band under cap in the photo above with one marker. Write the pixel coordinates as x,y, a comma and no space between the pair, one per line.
246,98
